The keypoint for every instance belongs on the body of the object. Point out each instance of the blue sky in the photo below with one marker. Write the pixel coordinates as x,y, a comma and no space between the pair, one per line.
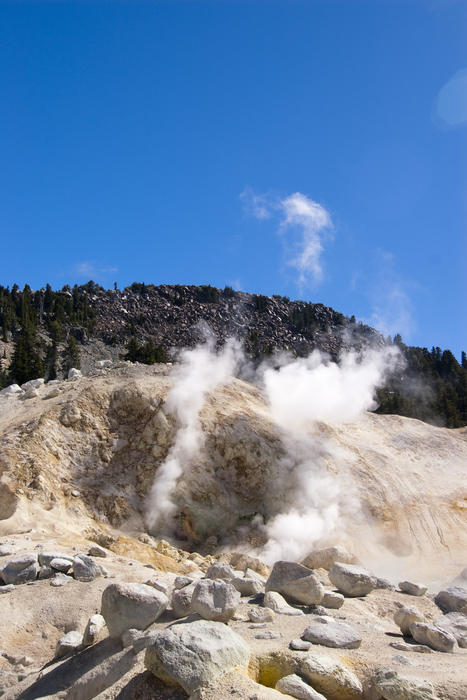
315,149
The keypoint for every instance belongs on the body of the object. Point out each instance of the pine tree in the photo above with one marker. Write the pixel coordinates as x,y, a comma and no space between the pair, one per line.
70,356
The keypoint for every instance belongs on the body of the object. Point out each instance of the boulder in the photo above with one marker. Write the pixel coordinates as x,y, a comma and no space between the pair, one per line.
258,615
351,580
417,589
295,581
247,586
127,605
195,654
453,599
21,569
432,636
279,605
215,600
294,686
69,643
85,569
46,557
332,600
181,600
393,687
63,565
326,558
331,633
220,570
11,390
331,678
405,616
456,624
95,625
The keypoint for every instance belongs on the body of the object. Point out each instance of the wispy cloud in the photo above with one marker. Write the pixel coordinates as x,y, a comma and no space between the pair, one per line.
90,269
304,224
451,102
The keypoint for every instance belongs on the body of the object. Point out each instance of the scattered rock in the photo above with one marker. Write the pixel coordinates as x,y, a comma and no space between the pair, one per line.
181,600
294,686
21,569
332,600
453,599
7,589
352,580
74,373
384,583
268,634
331,633
393,687
247,586
405,616
11,390
69,643
220,570
158,585
279,605
6,550
46,572
215,600
131,605
95,625
195,654
60,580
331,678
97,551
259,615
182,581
300,645
432,636
85,569
403,646
416,589
326,558
63,565
456,624
45,558
295,581
69,415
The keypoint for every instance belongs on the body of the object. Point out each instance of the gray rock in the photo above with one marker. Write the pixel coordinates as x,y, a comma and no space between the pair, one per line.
69,643
456,624
296,582
46,557
279,605
97,551
60,580
74,373
21,569
46,572
158,585
268,634
259,615
95,625
195,654
403,646
145,640
294,686
85,569
182,581
432,636
331,633
63,565
405,616
7,588
384,584
326,558
453,599
11,390
392,687
329,677
69,415
417,589
300,645
332,600
131,605
6,550
215,600
221,570
181,600
352,580
247,586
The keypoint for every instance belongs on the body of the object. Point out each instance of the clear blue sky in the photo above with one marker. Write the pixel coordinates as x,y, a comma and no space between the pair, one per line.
130,130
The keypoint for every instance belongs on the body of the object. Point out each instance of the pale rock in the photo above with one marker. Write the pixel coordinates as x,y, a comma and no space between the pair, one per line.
21,569
97,551
69,415
181,600
416,589
7,588
279,605
259,615
300,645
326,558
131,605
95,625
453,599
46,557
145,640
432,636
331,678
405,616
60,580
33,384
6,550
158,585
332,600
31,393
456,624
220,570
392,687
294,686
69,643
63,565
85,569
330,633
74,373
295,581
403,646
11,390
46,572
268,634
215,600
182,581
247,586
56,391
384,583
351,580
195,654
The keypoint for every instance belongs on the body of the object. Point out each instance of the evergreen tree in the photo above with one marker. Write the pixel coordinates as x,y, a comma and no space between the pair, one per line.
26,363
70,356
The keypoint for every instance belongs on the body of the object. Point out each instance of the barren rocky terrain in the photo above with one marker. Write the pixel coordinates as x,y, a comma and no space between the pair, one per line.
78,459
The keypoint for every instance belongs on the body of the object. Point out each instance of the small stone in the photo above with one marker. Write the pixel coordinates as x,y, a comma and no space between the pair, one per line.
326,558
296,582
353,581
268,634
23,568
7,589
97,551
295,687
259,615
74,373
158,585
416,589
95,625
453,599
405,616
278,604
182,581
69,643
392,687
60,580
219,570
215,600
85,569
332,600
403,646
247,586
63,565
300,645
330,633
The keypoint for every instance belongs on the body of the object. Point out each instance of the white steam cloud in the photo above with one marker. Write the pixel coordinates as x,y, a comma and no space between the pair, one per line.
200,372
305,223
